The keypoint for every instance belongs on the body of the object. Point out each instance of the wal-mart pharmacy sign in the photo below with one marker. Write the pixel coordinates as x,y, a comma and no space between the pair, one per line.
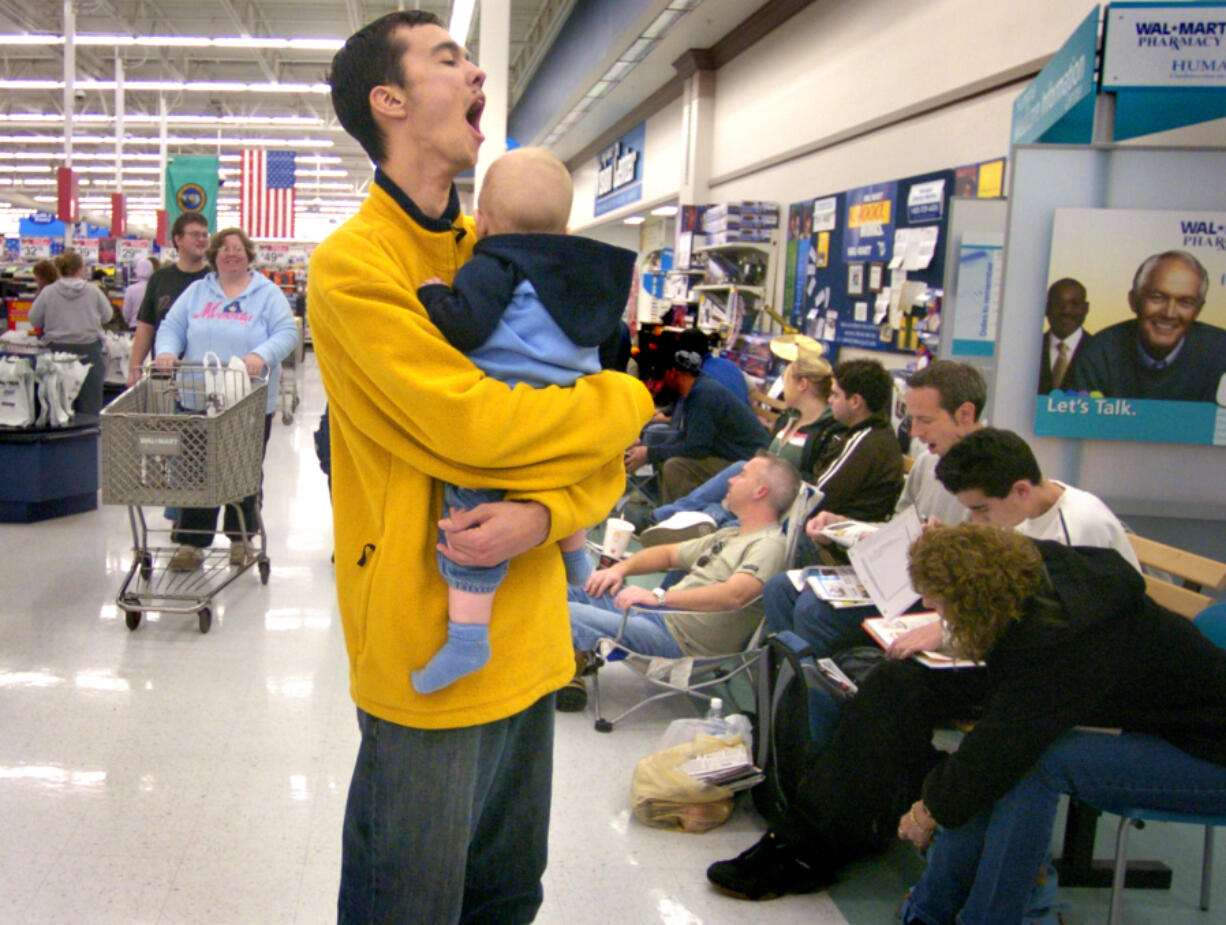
619,171
1156,45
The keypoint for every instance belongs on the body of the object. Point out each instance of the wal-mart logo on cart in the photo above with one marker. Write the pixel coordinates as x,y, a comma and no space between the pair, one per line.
230,311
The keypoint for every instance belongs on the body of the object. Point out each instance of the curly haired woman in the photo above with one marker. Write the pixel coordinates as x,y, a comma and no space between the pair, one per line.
1069,639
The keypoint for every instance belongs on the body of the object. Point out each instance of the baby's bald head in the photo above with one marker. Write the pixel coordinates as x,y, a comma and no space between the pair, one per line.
526,191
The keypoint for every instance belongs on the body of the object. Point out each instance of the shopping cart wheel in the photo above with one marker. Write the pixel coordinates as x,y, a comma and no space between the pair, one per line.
265,567
131,619
287,418
146,566
205,616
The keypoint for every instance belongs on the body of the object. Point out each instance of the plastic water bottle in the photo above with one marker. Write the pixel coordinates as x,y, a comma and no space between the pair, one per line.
714,723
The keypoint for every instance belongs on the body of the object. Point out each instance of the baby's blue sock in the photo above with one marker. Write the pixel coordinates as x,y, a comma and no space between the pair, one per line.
467,649
578,567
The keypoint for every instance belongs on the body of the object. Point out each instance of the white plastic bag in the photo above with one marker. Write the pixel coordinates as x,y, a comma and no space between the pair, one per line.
225,385
17,408
685,730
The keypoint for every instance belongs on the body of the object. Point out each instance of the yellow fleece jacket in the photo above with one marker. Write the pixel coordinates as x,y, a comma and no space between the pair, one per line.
409,410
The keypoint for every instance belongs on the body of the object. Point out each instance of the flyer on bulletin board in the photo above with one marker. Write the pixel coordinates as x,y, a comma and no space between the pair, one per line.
1135,334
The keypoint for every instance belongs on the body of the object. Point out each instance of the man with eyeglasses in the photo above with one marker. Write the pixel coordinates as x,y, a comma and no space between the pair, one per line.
1165,353
190,235
725,571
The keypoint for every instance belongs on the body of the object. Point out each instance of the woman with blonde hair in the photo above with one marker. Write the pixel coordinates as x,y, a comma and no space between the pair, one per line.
1069,640
800,436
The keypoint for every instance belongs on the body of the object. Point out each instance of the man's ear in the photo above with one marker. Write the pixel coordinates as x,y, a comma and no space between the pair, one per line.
387,101
964,414
1022,488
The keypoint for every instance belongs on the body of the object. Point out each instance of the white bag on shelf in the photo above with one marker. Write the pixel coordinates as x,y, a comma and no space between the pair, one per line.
17,405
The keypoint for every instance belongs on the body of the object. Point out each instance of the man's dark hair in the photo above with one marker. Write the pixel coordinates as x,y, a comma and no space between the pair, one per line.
695,341
955,383
185,219
370,57
1060,284
989,460
868,379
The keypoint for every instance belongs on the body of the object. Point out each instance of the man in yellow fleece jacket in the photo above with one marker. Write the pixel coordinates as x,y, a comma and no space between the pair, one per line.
448,808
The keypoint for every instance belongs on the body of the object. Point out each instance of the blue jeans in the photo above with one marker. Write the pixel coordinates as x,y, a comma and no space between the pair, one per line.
826,629
593,618
473,578
706,498
448,825
984,872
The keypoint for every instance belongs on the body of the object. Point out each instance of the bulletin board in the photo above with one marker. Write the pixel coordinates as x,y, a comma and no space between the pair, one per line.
865,267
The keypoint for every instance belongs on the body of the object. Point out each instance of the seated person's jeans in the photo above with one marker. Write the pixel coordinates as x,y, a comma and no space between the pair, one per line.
984,871
593,618
824,628
471,578
706,498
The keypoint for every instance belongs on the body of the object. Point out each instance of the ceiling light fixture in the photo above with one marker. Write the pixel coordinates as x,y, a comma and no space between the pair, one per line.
461,20
180,140
177,41
171,86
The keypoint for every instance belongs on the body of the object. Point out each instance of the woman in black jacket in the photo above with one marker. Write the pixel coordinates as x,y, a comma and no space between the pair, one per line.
1069,640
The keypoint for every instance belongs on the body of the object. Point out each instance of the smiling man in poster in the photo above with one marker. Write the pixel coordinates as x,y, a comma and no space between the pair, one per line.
1164,353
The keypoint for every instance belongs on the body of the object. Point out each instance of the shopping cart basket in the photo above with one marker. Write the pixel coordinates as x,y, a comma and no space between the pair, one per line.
194,438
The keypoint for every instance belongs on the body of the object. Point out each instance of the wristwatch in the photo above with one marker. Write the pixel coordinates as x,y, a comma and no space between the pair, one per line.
659,593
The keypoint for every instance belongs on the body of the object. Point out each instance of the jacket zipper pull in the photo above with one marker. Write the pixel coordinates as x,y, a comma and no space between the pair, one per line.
368,548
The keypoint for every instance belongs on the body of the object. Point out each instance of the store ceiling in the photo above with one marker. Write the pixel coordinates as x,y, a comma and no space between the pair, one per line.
333,170
344,169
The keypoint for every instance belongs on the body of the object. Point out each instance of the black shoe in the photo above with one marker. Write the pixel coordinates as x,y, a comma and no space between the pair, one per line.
572,698
769,869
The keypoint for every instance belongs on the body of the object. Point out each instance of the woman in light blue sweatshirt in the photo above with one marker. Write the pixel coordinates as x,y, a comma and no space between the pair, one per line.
232,312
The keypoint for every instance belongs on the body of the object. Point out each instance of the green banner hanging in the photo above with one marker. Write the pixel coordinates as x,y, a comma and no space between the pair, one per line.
191,186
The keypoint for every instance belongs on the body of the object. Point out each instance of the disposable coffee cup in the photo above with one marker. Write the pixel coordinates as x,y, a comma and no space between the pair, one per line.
617,533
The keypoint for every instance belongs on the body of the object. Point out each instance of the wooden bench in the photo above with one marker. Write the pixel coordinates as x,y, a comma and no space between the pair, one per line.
1194,573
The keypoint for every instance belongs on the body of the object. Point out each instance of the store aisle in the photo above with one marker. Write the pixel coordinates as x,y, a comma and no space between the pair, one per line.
163,776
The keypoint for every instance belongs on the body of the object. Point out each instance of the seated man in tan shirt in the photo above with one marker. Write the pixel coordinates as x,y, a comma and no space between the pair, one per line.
725,571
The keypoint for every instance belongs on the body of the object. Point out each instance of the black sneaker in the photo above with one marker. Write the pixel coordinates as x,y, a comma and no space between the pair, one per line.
770,869
572,698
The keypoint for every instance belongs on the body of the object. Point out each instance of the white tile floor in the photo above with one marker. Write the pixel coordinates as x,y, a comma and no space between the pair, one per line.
167,776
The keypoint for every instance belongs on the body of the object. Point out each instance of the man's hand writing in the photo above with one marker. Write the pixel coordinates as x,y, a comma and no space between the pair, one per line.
920,639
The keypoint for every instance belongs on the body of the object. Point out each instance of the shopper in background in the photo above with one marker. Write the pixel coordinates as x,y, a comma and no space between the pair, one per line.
135,293
232,312
71,313
45,274
190,234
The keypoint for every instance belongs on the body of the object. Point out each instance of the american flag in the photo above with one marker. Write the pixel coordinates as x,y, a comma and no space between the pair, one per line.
267,208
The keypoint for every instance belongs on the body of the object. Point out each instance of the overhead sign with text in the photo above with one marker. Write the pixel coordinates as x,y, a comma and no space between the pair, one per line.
1165,45
1058,105
1149,357
619,171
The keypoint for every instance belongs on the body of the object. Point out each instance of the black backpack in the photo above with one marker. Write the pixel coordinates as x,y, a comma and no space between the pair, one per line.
798,706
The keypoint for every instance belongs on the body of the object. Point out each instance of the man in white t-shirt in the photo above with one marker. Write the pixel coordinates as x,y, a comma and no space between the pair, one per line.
996,476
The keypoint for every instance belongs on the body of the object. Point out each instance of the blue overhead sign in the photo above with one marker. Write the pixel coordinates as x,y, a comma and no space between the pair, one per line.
1058,106
619,171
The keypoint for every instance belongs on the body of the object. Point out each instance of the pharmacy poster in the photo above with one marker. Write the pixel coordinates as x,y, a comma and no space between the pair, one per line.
1134,327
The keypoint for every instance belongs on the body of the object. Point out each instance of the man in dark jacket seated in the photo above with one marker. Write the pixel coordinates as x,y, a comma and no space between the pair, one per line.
716,429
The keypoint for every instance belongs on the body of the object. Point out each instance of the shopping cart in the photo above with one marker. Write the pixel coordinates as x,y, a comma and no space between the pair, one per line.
194,438
291,372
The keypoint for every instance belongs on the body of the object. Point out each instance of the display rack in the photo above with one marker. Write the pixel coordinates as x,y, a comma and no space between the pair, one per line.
729,304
